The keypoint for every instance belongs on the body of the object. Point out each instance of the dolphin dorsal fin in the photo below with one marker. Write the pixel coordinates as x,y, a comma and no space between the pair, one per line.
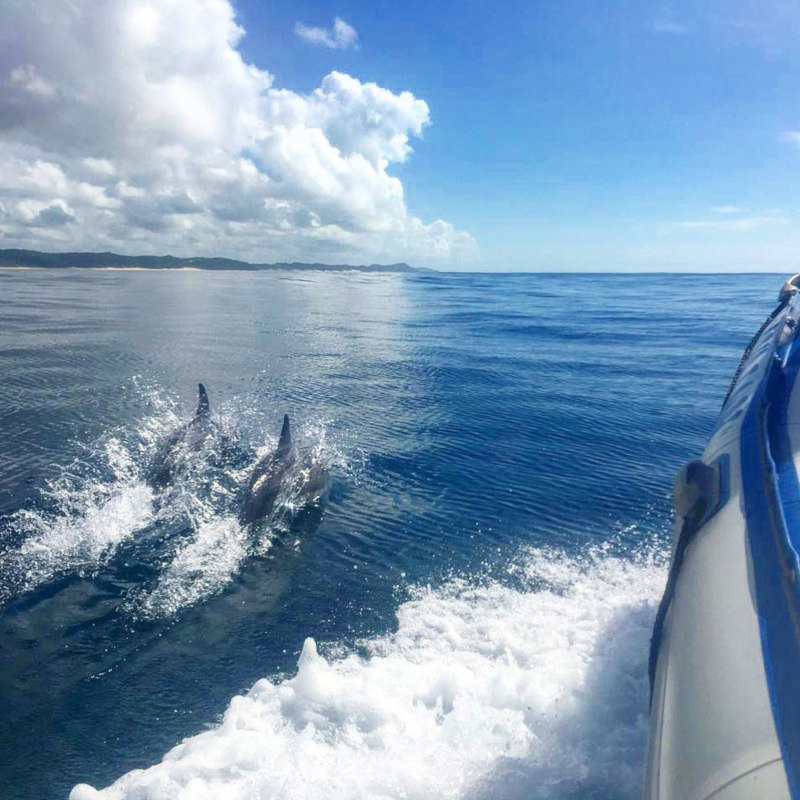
285,442
202,404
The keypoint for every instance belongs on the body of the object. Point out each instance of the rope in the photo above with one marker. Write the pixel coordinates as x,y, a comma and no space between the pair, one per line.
749,348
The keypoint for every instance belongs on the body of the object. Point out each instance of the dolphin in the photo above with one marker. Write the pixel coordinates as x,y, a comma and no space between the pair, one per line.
272,474
188,438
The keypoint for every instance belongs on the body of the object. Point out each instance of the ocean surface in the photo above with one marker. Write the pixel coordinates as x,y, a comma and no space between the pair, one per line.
469,618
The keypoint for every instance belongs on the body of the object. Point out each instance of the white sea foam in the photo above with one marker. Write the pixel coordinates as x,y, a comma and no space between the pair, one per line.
200,568
87,538
88,519
484,691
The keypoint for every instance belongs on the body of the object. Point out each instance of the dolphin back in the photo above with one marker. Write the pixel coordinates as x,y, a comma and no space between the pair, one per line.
203,407
266,481
187,438
263,488
162,466
285,442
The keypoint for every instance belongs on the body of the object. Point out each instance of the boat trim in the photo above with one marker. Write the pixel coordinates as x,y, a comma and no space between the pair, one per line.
771,504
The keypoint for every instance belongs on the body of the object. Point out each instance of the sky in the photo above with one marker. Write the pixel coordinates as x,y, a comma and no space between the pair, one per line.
537,135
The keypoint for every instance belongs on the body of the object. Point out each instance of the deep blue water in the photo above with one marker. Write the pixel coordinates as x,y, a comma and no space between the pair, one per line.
502,449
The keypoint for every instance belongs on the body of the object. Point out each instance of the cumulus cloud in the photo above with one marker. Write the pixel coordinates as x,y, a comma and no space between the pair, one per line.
137,125
54,215
339,37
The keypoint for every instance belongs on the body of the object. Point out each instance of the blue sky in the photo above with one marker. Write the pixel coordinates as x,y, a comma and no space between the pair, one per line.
582,135
539,135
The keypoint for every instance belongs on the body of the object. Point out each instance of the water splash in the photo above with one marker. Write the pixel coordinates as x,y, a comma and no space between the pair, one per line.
200,568
208,560
84,516
537,690
187,533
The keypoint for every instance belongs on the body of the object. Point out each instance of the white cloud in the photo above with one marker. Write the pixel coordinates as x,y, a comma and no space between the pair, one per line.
727,209
27,77
748,223
100,166
35,214
54,215
339,37
141,128
793,137
669,27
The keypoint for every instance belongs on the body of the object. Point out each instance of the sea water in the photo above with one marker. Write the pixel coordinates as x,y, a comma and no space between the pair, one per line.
471,616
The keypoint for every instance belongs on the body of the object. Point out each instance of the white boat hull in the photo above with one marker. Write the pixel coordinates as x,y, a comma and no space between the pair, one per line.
725,666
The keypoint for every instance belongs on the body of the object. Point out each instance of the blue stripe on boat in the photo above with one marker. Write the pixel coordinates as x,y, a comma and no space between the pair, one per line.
772,511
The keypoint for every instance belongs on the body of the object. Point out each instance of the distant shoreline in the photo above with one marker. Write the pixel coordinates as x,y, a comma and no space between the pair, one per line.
9,268
36,259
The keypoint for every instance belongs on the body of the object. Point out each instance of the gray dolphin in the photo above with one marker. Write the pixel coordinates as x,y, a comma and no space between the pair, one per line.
188,438
272,475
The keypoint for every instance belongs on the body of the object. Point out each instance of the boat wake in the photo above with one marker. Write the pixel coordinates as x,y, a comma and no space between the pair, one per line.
531,687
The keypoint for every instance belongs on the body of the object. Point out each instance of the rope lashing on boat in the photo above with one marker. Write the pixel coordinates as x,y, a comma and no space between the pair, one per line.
788,290
749,348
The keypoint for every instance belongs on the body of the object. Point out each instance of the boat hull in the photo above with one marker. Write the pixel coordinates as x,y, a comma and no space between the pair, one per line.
725,713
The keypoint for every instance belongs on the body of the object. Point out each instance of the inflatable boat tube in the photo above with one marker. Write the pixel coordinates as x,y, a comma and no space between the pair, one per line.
725,652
